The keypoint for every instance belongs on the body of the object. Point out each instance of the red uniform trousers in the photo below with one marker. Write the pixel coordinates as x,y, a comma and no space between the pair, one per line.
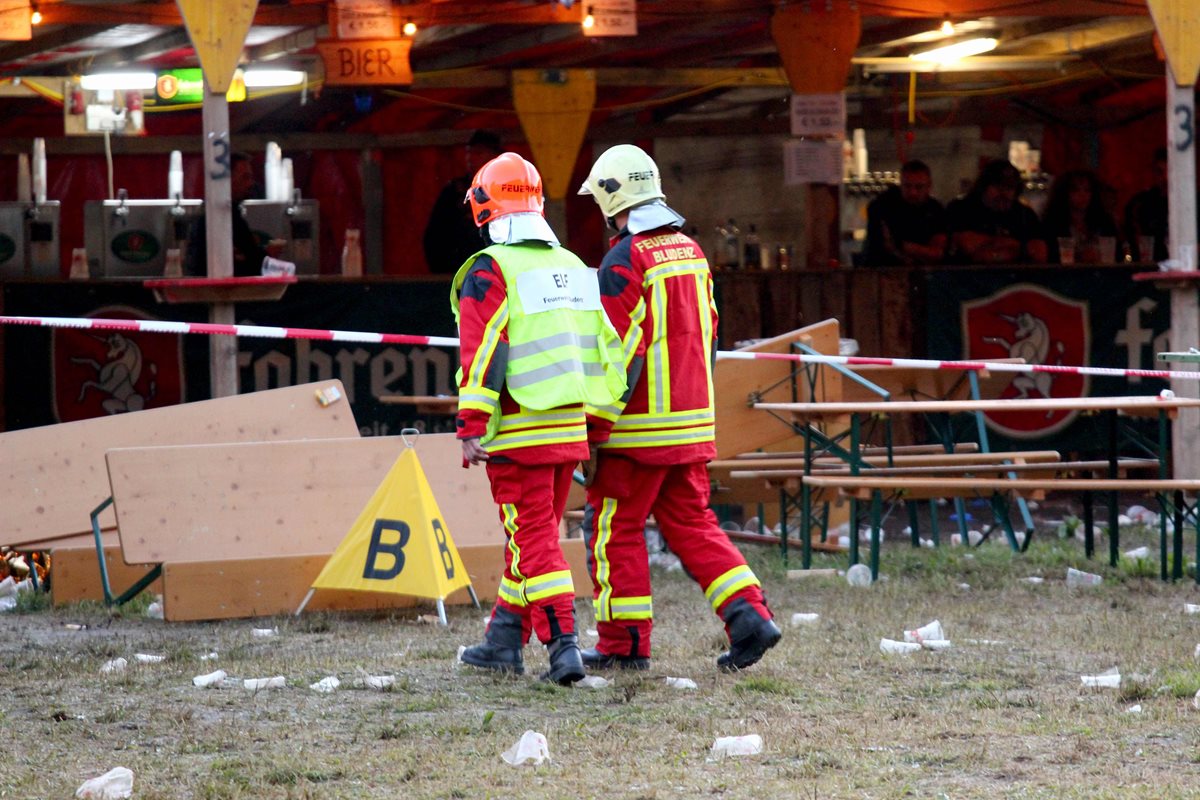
536,584
623,495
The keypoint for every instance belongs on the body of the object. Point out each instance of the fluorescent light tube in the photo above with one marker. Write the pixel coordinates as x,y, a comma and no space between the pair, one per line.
268,78
118,81
957,51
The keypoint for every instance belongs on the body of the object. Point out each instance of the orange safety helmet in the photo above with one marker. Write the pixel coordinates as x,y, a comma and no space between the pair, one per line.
508,184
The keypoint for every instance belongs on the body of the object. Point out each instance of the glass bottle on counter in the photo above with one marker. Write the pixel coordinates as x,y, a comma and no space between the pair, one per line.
752,249
732,253
352,265
717,254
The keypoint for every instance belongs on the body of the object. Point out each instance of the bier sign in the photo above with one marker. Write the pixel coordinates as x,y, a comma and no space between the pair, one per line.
366,62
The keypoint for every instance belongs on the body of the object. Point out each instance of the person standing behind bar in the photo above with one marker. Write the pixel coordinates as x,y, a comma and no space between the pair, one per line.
248,253
1076,212
991,225
1146,214
904,224
450,235
653,443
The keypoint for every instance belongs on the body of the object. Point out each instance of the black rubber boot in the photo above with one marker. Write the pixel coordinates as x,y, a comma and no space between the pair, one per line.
566,666
750,635
501,648
594,659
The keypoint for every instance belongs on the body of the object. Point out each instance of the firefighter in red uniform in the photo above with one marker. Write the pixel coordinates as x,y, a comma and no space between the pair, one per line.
654,442
535,347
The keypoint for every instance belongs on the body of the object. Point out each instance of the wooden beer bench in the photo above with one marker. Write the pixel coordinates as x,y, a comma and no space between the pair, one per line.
873,488
1164,409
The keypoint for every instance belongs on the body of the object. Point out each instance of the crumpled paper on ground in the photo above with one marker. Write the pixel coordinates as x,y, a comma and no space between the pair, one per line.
531,747
681,683
115,784
258,684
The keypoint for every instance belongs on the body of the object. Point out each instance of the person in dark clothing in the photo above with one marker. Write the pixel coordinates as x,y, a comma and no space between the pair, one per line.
248,252
1146,214
451,236
1076,211
904,224
990,225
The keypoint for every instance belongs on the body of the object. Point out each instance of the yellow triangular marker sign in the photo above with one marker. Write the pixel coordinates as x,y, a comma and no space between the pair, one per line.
1178,28
399,544
218,33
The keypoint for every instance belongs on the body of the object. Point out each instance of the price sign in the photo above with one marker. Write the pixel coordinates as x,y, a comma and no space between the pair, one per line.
611,18
365,19
807,161
819,114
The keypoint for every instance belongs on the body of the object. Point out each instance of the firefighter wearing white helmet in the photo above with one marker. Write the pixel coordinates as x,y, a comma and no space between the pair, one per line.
623,177
652,444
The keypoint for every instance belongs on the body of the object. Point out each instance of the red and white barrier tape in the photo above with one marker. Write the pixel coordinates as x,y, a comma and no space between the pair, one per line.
268,332
209,329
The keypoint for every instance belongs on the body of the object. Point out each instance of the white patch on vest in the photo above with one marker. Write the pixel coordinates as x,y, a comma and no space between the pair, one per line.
551,289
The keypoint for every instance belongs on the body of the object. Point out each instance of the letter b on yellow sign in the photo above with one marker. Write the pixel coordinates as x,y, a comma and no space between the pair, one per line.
399,543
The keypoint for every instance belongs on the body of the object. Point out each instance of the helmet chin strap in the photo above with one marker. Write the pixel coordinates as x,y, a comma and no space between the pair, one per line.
485,236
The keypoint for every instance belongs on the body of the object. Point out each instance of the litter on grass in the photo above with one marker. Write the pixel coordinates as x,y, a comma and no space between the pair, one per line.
1109,679
725,746
531,747
211,679
115,784
592,682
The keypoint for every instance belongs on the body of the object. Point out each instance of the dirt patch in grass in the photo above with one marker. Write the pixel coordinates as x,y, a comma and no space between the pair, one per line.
1002,714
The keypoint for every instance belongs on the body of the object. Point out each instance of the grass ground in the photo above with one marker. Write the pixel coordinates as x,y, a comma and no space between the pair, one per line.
1002,714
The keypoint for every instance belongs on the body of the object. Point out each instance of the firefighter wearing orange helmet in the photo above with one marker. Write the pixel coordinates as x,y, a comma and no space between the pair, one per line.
535,347
654,442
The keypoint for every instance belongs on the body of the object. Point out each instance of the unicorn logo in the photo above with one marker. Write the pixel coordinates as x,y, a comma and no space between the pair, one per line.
1040,326
117,377
1031,341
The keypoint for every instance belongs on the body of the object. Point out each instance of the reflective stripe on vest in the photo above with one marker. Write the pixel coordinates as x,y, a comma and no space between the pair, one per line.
527,428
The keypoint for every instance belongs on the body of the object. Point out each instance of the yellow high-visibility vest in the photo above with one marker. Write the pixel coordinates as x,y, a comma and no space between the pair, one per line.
562,350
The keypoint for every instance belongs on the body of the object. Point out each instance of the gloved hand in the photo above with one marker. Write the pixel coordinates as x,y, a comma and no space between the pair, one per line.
588,468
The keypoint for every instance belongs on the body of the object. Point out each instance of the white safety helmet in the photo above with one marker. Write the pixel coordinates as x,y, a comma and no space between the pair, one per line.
623,176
